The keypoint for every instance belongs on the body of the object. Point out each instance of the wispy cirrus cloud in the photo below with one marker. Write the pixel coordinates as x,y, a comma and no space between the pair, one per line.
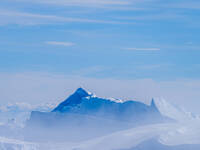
80,2
24,18
137,4
152,16
142,49
107,5
193,4
57,43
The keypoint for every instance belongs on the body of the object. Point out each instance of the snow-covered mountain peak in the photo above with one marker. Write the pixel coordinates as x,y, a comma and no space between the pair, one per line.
74,99
82,92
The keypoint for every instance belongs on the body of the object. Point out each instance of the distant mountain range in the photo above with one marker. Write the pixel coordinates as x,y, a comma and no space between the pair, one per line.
82,103
85,103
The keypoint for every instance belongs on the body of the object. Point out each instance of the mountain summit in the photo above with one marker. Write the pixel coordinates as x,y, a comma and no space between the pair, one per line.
74,99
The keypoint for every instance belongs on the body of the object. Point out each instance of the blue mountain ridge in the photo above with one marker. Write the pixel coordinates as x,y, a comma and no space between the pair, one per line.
82,113
84,103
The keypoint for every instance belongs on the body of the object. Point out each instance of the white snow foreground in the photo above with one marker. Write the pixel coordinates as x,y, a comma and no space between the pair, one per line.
167,134
123,139
12,144
183,133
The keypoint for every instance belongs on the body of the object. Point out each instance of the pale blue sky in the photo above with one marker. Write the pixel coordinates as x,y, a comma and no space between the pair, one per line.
102,39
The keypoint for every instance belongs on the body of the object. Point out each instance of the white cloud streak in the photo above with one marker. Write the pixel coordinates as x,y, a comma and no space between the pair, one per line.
142,49
193,4
56,43
23,18
152,16
80,2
